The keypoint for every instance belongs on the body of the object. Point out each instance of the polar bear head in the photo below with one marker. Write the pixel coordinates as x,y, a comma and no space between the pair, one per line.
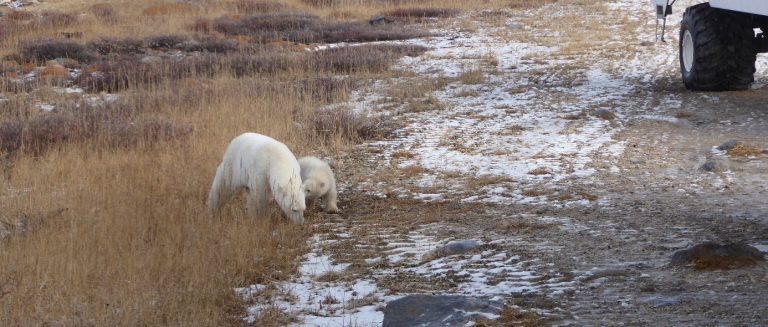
314,189
297,206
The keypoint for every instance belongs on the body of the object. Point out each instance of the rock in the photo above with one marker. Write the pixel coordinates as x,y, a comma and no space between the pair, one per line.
455,247
604,114
376,20
711,255
714,165
728,145
438,310
646,43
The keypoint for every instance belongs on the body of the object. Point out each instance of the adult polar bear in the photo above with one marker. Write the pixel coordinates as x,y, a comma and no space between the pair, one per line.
259,163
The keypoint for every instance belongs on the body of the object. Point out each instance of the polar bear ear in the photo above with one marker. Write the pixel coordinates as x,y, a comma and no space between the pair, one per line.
322,184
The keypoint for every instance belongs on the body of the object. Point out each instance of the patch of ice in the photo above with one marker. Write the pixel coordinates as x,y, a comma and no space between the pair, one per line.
45,107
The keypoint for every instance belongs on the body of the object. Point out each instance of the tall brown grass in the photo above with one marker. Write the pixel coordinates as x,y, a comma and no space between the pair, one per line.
106,234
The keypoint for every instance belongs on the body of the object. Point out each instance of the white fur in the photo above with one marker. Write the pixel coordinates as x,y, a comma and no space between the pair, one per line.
318,181
259,164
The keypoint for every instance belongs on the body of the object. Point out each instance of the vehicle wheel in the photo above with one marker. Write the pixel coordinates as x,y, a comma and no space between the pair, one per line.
717,49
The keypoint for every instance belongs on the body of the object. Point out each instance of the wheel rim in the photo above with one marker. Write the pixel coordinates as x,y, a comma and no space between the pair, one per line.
687,51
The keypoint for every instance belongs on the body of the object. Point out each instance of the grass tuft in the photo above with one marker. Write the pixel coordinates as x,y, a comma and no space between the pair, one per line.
419,13
306,28
352,125
47,49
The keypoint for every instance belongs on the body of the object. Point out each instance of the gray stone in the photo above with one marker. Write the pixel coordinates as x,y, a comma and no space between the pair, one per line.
604,114
728,145
711,255
714,165
376,20
455,247
438,310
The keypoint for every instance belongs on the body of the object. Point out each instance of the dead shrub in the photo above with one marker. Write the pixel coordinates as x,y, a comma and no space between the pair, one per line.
127,46
745,150
117,125
420,13
267,25
250,7
539,171
210,44
103,10
524,4
355,32
171,9
201,25
352,125
47,49
19,15
262,62
169,41
369,58
305,28
56,19
324,89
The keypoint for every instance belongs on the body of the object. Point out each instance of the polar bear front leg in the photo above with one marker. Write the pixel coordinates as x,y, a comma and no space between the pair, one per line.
221,191
256,203
330,200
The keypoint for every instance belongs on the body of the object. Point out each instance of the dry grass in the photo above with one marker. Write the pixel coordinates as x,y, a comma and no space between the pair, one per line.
745,150
101,205
472,76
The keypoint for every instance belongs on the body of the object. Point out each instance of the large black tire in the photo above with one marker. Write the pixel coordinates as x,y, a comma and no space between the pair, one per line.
721,50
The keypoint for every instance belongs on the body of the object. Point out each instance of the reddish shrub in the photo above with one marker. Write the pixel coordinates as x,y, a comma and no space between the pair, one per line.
19,15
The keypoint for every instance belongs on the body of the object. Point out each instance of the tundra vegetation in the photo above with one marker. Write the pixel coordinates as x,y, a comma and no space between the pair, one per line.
113,117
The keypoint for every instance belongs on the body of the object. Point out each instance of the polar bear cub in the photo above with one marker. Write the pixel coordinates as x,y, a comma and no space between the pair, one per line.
259,164
318,181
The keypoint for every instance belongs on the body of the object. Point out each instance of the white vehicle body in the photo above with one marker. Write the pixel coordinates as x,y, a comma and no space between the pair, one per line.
757,7
719,41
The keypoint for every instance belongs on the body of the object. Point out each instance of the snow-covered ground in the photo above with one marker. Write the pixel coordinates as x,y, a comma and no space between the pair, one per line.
537,119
